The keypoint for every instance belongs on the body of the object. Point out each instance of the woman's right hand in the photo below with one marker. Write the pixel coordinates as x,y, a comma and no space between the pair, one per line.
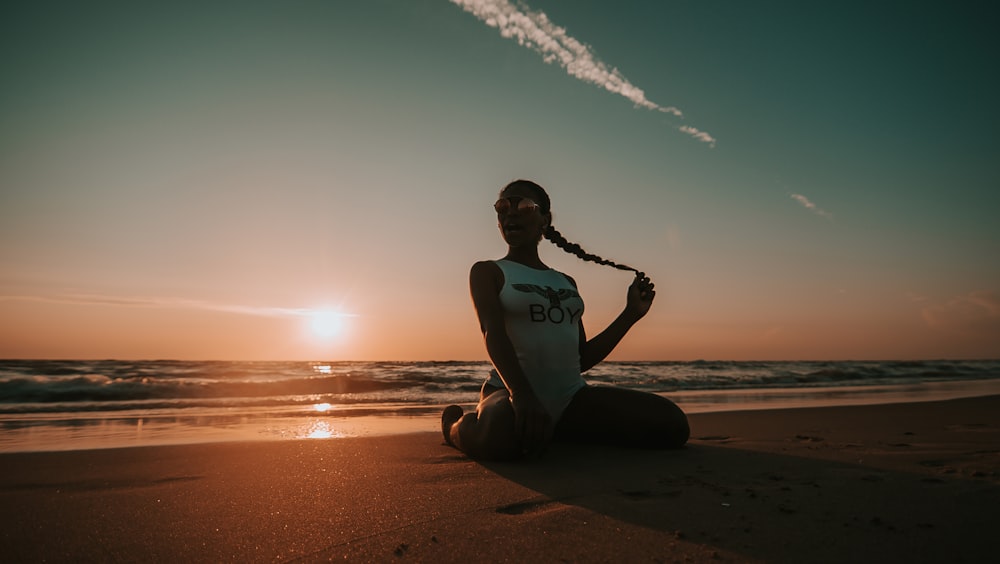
532,423
640,296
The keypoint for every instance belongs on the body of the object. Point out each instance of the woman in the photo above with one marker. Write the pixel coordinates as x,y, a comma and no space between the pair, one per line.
530,318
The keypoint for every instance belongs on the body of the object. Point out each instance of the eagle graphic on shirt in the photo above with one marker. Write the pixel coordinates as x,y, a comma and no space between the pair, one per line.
555,297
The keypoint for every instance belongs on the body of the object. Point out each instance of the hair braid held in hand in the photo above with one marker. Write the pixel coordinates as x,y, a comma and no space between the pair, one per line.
572,248
557,238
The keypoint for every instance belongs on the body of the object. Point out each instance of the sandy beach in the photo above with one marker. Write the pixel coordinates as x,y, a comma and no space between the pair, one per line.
907,482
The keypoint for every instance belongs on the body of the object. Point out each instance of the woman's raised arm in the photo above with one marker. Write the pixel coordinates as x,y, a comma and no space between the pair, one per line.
639,300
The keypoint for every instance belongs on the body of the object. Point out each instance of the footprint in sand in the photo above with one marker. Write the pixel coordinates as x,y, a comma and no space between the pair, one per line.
524,507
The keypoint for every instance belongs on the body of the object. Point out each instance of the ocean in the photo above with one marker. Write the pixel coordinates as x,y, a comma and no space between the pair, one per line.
79,404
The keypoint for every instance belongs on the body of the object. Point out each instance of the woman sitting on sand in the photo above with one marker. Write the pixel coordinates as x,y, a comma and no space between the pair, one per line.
530,318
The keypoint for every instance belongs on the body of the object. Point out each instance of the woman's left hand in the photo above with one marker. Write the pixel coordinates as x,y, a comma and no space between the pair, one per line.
640,296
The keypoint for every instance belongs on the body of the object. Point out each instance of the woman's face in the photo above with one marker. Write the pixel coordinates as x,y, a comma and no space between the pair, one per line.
520,222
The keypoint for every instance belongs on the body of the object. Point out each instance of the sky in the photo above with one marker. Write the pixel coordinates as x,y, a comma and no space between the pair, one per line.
312,180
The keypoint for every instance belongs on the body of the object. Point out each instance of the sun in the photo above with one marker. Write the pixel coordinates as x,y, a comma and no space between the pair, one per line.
327,324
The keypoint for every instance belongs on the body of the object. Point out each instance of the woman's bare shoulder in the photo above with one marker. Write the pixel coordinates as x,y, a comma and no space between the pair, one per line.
489,265
486,273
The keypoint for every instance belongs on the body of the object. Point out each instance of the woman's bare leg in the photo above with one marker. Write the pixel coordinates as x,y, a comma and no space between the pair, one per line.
489,432
623,417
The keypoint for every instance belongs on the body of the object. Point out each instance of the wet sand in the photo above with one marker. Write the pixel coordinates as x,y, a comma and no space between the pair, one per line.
906,482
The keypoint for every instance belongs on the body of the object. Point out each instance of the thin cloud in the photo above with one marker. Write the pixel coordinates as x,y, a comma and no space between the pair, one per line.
166,303
702,136
811,206
534,30
974,313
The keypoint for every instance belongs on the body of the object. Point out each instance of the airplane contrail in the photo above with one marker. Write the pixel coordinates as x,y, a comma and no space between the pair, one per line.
809,205
534,30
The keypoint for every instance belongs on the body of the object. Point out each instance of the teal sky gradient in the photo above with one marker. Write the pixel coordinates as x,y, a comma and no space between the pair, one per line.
196,161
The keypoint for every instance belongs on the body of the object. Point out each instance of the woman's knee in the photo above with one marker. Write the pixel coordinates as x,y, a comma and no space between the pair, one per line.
674,428
666,423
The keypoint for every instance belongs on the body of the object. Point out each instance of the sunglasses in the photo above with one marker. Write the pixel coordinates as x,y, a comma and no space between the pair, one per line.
504,205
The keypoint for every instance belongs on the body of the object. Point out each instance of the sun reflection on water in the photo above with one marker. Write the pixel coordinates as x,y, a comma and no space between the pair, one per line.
321,430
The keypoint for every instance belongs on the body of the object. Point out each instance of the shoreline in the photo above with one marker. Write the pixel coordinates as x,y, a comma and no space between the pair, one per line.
916,482
44,432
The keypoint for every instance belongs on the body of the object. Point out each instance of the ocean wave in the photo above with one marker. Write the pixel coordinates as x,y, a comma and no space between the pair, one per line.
96,387
27,385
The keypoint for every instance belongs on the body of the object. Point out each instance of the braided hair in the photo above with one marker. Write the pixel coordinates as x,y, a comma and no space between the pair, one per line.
555,237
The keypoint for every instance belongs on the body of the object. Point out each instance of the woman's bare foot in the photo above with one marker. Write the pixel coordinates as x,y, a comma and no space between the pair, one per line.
451,414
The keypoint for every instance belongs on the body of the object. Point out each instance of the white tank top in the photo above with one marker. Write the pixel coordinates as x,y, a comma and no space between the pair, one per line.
542,313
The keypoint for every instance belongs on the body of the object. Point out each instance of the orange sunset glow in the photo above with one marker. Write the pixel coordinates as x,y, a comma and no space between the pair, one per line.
302,186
